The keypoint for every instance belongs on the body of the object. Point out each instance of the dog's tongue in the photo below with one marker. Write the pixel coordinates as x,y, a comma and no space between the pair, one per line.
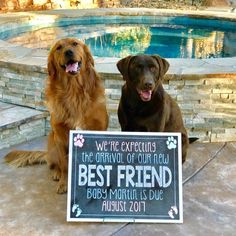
146,95
72,67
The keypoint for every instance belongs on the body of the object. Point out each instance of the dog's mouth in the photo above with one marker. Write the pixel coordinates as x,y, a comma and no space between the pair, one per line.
72,67
145,95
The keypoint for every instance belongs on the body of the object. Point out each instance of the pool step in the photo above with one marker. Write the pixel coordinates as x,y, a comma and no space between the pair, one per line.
19,124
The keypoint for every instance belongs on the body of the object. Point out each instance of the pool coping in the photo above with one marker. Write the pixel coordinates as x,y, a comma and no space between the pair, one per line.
36,60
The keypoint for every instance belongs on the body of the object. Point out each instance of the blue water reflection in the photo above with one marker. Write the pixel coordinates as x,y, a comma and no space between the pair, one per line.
119,36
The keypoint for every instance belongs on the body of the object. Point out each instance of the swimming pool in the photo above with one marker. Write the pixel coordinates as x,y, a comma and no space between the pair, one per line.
119,36
204,88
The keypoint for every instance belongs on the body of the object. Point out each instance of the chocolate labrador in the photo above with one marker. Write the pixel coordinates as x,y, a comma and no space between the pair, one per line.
144,104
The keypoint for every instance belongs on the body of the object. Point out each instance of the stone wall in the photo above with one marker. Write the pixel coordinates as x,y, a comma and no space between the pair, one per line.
22,85
217,3
15,4
22,133
55,4
65,4
208,102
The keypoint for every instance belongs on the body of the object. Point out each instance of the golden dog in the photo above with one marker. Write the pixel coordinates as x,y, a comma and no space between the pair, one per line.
75,99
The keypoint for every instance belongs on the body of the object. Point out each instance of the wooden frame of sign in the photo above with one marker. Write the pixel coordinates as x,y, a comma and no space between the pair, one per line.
125,177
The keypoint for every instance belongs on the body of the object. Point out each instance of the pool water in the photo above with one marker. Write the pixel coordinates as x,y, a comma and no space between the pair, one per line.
119,36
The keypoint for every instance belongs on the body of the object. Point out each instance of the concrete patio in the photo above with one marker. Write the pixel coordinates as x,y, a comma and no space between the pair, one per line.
30,205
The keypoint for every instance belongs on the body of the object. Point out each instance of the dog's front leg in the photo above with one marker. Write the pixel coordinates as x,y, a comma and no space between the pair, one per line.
123,119
61,141
185,144
156,123
58,154
63,166
57,161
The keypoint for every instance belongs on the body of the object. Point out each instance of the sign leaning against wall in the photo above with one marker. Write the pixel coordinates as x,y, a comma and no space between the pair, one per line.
125,177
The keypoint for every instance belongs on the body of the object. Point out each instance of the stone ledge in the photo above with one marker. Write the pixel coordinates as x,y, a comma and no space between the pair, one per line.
19,124
11,115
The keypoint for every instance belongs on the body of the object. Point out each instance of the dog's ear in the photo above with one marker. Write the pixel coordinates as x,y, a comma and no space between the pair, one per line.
89,57
163,63
51,66
123,66
89,67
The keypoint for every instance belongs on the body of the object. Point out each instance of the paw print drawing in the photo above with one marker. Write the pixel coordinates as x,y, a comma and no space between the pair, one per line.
173,211
79,140
76,209
171,143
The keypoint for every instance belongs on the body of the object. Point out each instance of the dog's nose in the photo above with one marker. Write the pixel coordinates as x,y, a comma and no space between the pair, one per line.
69,53
148,84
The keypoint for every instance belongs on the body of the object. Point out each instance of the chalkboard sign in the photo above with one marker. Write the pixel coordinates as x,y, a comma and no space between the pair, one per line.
125,177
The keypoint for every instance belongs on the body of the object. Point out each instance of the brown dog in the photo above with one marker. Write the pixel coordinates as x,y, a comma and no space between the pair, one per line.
144,105
75,98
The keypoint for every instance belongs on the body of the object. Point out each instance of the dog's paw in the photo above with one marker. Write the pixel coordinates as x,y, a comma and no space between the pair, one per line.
171,143
61,188
56,175
79,140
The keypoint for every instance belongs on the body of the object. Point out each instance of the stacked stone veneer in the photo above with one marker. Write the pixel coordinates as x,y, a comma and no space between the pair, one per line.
208,102
24,131
22,84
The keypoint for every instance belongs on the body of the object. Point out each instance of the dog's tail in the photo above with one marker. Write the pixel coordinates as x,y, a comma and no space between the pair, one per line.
25,158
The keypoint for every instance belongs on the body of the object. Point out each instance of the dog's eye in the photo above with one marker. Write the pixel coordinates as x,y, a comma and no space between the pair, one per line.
152,68
75,44
140,67
59,47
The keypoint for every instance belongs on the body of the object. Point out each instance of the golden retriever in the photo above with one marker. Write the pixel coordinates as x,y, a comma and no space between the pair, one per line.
75,98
